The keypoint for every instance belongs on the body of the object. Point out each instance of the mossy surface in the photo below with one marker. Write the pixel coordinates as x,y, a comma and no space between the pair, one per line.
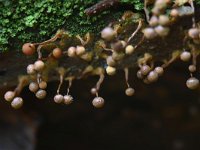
36,20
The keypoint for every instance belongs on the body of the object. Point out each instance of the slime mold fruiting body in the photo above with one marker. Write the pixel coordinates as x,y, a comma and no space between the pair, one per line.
118,47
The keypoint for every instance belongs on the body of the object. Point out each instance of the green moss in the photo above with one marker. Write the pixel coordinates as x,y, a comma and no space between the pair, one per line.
29,20
36,20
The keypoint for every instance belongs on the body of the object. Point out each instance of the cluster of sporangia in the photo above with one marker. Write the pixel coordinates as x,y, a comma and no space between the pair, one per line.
117,49
159,22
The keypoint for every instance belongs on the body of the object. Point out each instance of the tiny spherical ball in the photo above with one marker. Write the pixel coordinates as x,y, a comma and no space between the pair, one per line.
80,50
164,20
153,21
39,65
123,43
145,69
57,53
58,98
194,33
33,87
139,74
43,85
185,56
130,91
192,83
117,56
117,46
71,51
162,31
108,33
192,68
98,102
28,49
93,91
149,33
160,4
30,69
159,71
110,61
8,96
129,49
156,11
41,94
174,13
68,99
152,76
17,102
110,70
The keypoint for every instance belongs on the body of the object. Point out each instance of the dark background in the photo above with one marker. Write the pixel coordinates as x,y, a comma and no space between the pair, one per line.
164,115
